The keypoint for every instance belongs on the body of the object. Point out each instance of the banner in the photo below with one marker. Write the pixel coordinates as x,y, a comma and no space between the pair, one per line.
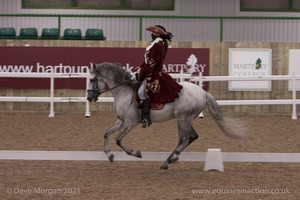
250,62
77,59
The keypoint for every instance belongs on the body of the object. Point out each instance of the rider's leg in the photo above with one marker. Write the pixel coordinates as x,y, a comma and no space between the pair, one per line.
145,110
145,106
141,91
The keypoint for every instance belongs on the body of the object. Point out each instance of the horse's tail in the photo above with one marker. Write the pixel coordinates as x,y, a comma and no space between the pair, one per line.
229,128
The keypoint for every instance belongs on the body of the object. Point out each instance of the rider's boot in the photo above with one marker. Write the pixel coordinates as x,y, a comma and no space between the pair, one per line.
145,113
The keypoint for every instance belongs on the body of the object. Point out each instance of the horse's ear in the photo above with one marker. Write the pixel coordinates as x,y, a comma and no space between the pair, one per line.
93,66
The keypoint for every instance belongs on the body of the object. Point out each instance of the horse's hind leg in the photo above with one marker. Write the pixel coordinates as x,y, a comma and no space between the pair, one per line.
186,137
117,126
192,136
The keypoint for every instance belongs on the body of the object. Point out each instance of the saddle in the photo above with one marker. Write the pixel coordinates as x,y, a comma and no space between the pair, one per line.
153,106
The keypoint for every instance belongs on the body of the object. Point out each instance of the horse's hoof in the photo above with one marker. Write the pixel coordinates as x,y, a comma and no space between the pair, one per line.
164,167
174,160
138,154
111,157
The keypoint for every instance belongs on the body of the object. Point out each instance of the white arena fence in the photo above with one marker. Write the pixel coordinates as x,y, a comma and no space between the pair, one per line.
180,77
147,156
213,158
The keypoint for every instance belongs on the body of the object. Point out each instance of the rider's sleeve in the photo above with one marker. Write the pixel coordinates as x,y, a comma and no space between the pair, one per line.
152,58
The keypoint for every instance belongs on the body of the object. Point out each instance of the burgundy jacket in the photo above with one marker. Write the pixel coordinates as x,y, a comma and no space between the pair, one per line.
160,87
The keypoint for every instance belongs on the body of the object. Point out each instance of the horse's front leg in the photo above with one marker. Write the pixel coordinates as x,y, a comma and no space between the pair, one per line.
124,131
117,126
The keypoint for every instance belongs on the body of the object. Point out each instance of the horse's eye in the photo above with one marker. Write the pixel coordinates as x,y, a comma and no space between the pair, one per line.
92,80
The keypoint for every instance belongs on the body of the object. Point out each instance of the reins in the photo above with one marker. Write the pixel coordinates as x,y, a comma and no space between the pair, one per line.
96,87
108,88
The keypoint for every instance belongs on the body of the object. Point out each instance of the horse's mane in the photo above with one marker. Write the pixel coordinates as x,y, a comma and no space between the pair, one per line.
119,75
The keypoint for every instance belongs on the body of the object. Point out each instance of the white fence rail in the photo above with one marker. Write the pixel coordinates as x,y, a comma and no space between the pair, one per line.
181,77
213,159
147,156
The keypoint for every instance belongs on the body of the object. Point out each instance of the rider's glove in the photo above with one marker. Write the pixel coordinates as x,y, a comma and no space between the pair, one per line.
133,77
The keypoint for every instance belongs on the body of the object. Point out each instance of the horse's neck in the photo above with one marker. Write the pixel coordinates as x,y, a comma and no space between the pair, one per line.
121,92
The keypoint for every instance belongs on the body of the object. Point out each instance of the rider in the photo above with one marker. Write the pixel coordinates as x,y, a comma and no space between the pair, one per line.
157,86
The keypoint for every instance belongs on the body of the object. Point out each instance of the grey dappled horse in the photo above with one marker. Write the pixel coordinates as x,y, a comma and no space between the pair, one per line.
192,100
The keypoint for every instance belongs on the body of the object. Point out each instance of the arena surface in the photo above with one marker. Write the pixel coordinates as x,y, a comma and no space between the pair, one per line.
144,180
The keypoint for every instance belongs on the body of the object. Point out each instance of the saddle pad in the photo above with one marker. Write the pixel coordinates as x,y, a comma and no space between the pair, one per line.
157,106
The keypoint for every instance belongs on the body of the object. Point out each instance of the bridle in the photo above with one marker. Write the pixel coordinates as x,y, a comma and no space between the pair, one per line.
96,92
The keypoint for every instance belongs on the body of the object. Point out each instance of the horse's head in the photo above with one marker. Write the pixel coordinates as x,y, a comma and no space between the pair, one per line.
105,77
96,84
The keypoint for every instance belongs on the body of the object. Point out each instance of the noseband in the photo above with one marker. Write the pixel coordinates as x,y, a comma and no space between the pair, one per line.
96,92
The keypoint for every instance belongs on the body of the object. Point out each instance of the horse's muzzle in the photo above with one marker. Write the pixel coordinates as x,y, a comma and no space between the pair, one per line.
91,99
92,95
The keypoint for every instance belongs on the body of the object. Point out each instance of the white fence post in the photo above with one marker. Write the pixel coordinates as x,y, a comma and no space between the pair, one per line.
294,115
52,95
181,77
201,115
87,103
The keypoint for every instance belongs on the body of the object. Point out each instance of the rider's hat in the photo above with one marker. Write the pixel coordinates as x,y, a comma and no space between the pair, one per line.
158,30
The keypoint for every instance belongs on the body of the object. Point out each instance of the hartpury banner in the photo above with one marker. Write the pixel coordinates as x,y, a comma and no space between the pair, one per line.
76,60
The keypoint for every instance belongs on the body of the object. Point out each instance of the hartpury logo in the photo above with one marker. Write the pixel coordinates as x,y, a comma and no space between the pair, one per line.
191,66
191,63
258,64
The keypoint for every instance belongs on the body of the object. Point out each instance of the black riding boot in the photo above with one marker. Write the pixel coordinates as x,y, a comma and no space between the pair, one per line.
145,112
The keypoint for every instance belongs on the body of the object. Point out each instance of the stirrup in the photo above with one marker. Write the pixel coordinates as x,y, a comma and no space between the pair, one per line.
145,123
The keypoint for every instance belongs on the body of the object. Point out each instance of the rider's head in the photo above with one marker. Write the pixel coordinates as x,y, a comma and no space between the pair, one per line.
159,31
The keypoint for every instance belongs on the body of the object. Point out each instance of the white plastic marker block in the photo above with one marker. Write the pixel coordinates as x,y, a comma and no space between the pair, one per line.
201,115
214,160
